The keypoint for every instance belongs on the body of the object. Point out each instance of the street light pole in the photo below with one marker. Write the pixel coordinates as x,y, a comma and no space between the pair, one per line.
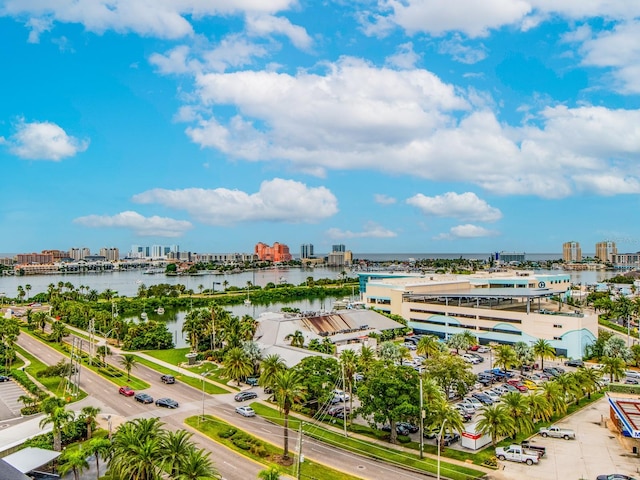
421,421
203,374
439,442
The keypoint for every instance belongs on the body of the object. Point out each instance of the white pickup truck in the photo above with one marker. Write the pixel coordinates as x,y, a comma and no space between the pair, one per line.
516,453
557,432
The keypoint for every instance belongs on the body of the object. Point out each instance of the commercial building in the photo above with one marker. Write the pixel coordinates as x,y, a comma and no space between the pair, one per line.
279,252
510,257
338,248
36,258
571,252
502,307
112,254
306,251
626,261
624,412
606,250
79,253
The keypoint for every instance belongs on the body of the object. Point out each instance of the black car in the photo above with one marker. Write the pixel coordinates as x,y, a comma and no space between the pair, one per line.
486,381
4,378
574,363
450,438
485,399
168,379
242,396
400,430
409,426
167,403
143,398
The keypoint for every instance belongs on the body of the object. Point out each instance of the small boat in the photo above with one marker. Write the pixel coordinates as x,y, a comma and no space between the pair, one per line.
160,311
247,301
144,315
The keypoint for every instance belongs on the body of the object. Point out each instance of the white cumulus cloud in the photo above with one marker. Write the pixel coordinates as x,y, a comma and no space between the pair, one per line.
278,200
370,230
466,231
264,25
463,206
44,141
139,224
382,199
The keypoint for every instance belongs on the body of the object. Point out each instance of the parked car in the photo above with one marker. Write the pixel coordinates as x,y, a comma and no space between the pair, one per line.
336,409
615,476
466,408
474,402
143,398
166,403
494,396
126,391
483,397
341,395
516,453
449,438
510,388
535,447
253,381
574,363
483,349
4,378
400,430
485,381
557,432
500,389
474,348
168,379
247,395
632,373
410,345
409,426
632,381
246,411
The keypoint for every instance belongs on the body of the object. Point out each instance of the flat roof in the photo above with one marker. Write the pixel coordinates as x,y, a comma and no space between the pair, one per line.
30,458
628,411
489,293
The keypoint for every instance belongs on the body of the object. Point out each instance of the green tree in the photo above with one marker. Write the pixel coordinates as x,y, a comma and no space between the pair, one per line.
504,357
99,448
137,450
237,365
518,408
495,421
58,418
450,372
176,447
366,359
554,396
287,390
128,361
103,351
317,373
443,416
389,394
197,466
588,379
428,346
73,461
58,331
543,350
539,407
568,386
269,367
389,352
271,473
616,347
524,354
89,414
614,367
296,338
349,365
193,326
461,341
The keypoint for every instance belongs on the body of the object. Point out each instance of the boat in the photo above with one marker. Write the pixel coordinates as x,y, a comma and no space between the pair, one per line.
144,315
160,311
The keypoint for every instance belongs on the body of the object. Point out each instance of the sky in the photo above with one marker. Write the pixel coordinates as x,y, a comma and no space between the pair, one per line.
388,126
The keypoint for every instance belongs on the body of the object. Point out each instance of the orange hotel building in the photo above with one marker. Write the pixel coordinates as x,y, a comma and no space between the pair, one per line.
278,253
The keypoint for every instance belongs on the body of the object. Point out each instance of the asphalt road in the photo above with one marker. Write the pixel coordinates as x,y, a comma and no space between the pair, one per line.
232,466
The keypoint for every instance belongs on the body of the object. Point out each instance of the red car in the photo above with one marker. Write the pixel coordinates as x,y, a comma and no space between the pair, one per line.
474,348
126,391
518,384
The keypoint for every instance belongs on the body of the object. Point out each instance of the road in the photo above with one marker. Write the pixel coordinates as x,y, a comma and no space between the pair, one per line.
232,466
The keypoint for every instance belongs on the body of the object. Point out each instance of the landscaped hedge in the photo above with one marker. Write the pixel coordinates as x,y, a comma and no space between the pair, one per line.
624,388
24,380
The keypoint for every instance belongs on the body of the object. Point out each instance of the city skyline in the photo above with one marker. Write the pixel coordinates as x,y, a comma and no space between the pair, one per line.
391,127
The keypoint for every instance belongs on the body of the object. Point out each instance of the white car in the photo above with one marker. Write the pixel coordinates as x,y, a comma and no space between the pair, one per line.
473,401
340,395
483,349
492,395
500,389
410,345
246,411
465,407
633,373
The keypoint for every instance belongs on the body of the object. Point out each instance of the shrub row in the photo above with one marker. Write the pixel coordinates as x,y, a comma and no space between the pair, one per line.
245,442
23,379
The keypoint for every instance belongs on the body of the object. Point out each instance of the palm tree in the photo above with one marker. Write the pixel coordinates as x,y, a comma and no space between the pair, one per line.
614,366
505,357
568,386
237,365
495,421
269,367
349,364
442,413
89,414
128,361
366,359
404,353
524,353
588,379
197,466
554,396
543,349
428,346
389,352
297,339
271,473
99,447
27,287
539,407
102,352
176,447
58,417
73,461
287,389
137,450
516,405
58,331
193,326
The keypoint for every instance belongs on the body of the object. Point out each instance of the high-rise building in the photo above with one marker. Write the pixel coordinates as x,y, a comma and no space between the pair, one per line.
571,252
606,250
157,251
278,253
112,254
338,248
306,250
79,253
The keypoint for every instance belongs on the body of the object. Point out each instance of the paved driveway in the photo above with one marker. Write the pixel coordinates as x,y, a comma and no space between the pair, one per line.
9,404
595,451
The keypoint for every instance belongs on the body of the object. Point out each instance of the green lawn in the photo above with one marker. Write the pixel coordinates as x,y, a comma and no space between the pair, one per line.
194,382
258,450
369,449
174,356
120,378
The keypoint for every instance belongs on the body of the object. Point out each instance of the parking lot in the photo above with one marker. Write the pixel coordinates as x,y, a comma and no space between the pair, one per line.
9,404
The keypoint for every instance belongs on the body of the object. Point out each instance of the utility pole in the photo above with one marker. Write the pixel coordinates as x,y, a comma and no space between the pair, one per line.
300,456
91,329
421,421
344,399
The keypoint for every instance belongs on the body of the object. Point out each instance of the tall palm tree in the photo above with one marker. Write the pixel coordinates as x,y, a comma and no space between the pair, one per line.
524,353
442,413
495,421
287,389
568,386
237,365
89,415
428,346
58,331
73,461
27,287
99,448
505,357
297,339
269,367
137,449
197,465
516,405
588,379
553,394
58,417
176,447
349,364
539,407
543,349
614,366
128,361
366,359
193,326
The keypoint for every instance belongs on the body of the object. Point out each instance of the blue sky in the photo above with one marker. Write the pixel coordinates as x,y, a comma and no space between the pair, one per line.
389,126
